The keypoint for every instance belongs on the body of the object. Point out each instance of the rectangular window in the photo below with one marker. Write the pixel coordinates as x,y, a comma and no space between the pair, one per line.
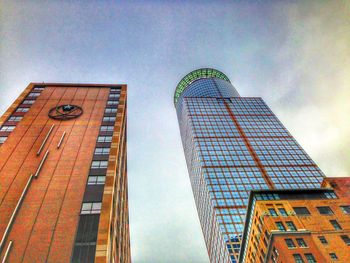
102,151
34,94
110,110
335,224
298,258
107,128
39,88
272,212
280,226
112,102
109,119
301,242
346,239
325,210
282,211
7,128
114,95
310,258
323,240
345,209
91,208
301,211
2,139
28,101
99,164
15,118
93,180
22,110
333,256
291,226
290,243
104,138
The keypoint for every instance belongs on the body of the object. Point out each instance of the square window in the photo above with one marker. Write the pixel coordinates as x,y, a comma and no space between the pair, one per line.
290,243
298,258
333,256
272,212
280,226
301,242
282,211
323,240
310,258
291,226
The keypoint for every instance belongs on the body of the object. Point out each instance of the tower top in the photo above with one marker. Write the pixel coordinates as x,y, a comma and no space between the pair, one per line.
202,73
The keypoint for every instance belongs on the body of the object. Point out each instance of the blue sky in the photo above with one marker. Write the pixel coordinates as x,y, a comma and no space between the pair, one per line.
294,54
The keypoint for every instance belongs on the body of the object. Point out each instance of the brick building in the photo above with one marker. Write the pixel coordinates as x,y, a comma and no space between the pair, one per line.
296,226
63,177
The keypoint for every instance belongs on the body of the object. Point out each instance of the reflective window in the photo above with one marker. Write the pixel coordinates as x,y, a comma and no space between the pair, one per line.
2,139
99,164
345,209
15,118
91,208
102,151
325,210
94,180
107,128
7,128
22,109
290,243
104,138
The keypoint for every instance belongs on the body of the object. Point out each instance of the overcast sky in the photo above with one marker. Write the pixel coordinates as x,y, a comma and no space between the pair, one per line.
295,55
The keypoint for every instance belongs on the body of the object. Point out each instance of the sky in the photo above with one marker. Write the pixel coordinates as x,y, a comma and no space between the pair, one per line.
293,54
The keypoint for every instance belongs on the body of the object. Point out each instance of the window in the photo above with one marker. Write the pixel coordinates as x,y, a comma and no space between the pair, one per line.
110,110
28,101
34,94
325,210
333,256
102,151
301,242
107,128
346,239
298,258
280,226
7,128
345,209
282,211
91,208
15,118
114,95
104,138
111,119
291,226
272,212
323,240
93,180
310,258
112,102
99,164
22,110
290,243
301,210
335,224
2,139
39,88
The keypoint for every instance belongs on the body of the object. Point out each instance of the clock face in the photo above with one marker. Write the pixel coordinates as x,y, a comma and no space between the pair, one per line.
65,112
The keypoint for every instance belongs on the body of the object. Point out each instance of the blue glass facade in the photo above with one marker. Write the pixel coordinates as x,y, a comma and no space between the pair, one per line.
233,145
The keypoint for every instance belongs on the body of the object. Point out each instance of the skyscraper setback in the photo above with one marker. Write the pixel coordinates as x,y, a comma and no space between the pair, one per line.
63,179
234,145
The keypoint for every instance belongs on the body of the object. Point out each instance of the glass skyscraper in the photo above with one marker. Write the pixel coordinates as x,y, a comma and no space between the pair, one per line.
233,145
